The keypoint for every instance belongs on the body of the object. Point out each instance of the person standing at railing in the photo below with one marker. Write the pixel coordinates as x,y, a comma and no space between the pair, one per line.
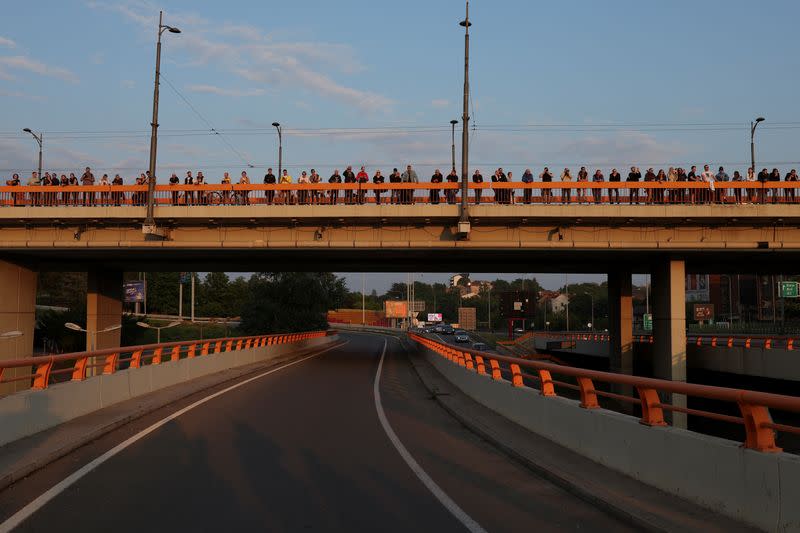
302,194
433,194
188,195
751,180
634,176
245,194
333,194
315,194
199,182
649,177
661,179
775,177
613,193
226,193
378,179
361,179
566,193
409,176
174,181
527,192
671,193
692,177
73,182
707,177
450,194
395,177
722,177
597,193
286,196
87,180
269,193
64,182
737,192
34,181
583,177
546,177
349,177
18,199
118,197
104,195
495,179
477,177
46,182
789,193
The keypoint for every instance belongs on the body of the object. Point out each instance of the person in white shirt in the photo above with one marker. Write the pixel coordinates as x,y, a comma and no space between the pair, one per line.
708,177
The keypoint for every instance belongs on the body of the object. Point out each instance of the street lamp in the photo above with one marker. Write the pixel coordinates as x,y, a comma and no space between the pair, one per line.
158,328
92,334
753,126
453,143
151,184
464,219
277,126
590,295
40,140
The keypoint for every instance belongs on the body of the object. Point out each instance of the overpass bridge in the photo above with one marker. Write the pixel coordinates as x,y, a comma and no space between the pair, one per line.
287,438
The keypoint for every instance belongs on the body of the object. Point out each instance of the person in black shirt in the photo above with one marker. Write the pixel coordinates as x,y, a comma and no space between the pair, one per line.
433,194
790,193
269,179
613,193
775,176
634,176
174,180
763,178
378,179
692,177
547,177
477,178
349,177
188,196
117,197
19,199
334,193
395,177
450,194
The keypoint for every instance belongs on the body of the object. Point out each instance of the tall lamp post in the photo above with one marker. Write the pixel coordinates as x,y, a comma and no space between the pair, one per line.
159,328
453,143
590,295
277,126
753,126
463,223
91,334
40,140
151,184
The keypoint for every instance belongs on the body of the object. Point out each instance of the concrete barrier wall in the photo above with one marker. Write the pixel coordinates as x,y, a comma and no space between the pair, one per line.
31,411
757,488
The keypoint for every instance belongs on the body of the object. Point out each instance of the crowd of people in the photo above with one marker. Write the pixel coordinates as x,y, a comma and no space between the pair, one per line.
755,188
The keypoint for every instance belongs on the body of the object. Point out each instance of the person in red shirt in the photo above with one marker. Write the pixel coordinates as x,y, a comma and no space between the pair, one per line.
362,177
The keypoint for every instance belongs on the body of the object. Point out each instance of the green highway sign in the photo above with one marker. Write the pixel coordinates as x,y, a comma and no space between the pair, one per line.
647,320
789,289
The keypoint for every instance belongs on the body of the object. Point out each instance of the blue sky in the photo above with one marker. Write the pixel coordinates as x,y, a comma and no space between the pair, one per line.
558,83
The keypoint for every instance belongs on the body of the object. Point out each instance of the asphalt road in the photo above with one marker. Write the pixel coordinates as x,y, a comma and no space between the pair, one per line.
303,448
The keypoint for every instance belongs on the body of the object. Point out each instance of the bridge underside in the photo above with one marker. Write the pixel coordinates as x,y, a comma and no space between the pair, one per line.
519,238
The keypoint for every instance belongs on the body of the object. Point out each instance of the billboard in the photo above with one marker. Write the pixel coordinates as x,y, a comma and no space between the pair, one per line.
467,318
518,304
698,288
434,317
396,309
134,290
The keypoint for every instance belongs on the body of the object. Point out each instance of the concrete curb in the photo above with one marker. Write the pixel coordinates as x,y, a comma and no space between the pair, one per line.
8,479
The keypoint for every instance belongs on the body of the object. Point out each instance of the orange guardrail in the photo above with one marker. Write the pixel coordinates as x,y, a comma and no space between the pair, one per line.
654,193
43,371
715,340
754,406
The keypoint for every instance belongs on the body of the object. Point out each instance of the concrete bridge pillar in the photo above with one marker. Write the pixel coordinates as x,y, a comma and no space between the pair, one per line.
17,313
103,309
620,328
669,328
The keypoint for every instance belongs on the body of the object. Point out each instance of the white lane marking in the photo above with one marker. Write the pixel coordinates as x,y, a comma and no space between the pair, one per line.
431,485
70,480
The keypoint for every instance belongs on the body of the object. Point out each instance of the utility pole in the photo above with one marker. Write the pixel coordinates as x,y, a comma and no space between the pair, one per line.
753,126
363,300
277,126
180,296
40,140
193,296
463,224
150,223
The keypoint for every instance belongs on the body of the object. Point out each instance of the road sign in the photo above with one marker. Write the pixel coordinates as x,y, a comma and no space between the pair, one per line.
703,312
134,291
647,320
789,289
186,277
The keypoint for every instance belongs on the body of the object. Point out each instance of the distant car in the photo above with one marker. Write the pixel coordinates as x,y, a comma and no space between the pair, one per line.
519,330
480,346
438,329
462,337
448,330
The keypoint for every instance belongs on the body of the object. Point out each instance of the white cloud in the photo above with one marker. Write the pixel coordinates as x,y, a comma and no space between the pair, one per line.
98,58
305,106
22,95
8,43
37,67
246,51
221,91
440,102
127,84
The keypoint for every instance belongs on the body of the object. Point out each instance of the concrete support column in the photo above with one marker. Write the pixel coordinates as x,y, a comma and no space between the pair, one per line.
103,309
620,328
17,313
669,328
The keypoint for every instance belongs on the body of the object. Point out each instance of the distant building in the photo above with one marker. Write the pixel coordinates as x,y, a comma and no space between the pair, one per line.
556,301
